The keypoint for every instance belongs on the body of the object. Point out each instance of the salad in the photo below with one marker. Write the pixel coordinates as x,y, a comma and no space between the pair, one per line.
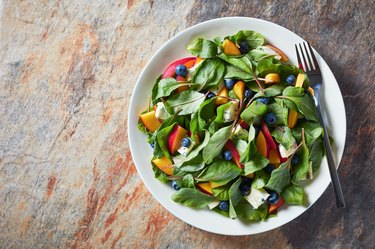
234,128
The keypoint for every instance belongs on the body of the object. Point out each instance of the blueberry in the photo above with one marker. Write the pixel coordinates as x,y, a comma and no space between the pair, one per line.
152,145
244,189
269,168
248,93
185,142
246,180
227,155
224,205
175,185
295,160
270,118
257,129
264,100
229,83
290,79
210,95
244,47
181,70
273,198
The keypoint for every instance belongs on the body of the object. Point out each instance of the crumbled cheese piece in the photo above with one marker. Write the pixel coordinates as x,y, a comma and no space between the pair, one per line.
186,150
240,133
231,111
257,197
270,51
213,204
161,112
286,153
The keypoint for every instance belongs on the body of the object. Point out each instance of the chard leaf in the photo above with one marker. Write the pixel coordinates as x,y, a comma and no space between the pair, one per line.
245,211
253,38
254,112
186,102
209,73
233,72
202,48
216,144
316,153
221,172
166,87
294,194
222,192
192,198
194,165
301,170
305,105
234,198
280,177
256,163
260,180
188,181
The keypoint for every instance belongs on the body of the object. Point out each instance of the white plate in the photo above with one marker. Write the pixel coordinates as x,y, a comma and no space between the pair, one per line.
175,49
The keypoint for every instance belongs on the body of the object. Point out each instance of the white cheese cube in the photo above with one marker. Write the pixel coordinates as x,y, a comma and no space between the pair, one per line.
286,153
240,133
230,112
186,150
257,197
213,204
161,112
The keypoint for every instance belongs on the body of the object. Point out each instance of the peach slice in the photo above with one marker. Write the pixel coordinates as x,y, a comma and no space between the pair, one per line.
205,187
182,80
284,58
239,89
235,155
272,78
261,144
170,70
175,137
199,59
300,79
150,121
215,185
274,157
292,117
164,164
230,48
273,207
223,92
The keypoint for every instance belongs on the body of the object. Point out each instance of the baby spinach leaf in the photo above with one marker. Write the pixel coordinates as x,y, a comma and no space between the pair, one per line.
202,48
246,211
244,63
260,180
188,181
207,109
160,175
180,159
313,131
192,198
197,124
257,162
280,177
292,91
166,87
316,153
234,198
284,137
301,170
240,145
251,148
254,112
254,39
209,73
305,105
194,165
222,192
294,194
271,91
280,112
233,72
221,172
185,102
220,112
155,91
162,138
216,144
268,65
259,53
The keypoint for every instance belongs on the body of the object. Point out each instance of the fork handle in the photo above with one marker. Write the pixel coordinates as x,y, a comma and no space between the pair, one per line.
340,202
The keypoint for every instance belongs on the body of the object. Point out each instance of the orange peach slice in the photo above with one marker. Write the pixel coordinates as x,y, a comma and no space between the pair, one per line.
175,137
164,164
223,92
150,121
272,78
205,187
239,89
230,48
261,144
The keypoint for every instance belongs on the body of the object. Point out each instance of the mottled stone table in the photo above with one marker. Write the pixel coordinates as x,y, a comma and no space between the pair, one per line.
67,70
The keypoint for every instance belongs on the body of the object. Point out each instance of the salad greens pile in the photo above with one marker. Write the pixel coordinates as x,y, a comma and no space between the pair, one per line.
232,129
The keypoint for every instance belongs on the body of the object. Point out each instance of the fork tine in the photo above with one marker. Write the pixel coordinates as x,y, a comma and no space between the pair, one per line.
298,58
316,66
304,58
308,57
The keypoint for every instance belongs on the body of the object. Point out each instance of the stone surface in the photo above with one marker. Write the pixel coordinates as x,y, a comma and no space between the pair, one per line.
67,69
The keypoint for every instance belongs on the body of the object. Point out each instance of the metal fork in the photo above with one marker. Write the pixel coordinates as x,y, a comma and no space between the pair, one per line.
313,71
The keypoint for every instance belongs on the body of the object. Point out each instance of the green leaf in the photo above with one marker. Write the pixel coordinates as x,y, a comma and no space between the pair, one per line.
260,180
160,175
294,194
222,192
220,112
253,38
292,91
240,145
280,112
243,63
268,65
221,172
305,105
207,109
301,170
284,137
280,177
256,163
233,72
197,124
216,144
185,102
166,87
313,131
155,90
141,126
162,138
271,91
188,181
254,112
192,198
234,198
251,148
245,211
202,48
259,53
194,165
180,159
209,73
316,153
